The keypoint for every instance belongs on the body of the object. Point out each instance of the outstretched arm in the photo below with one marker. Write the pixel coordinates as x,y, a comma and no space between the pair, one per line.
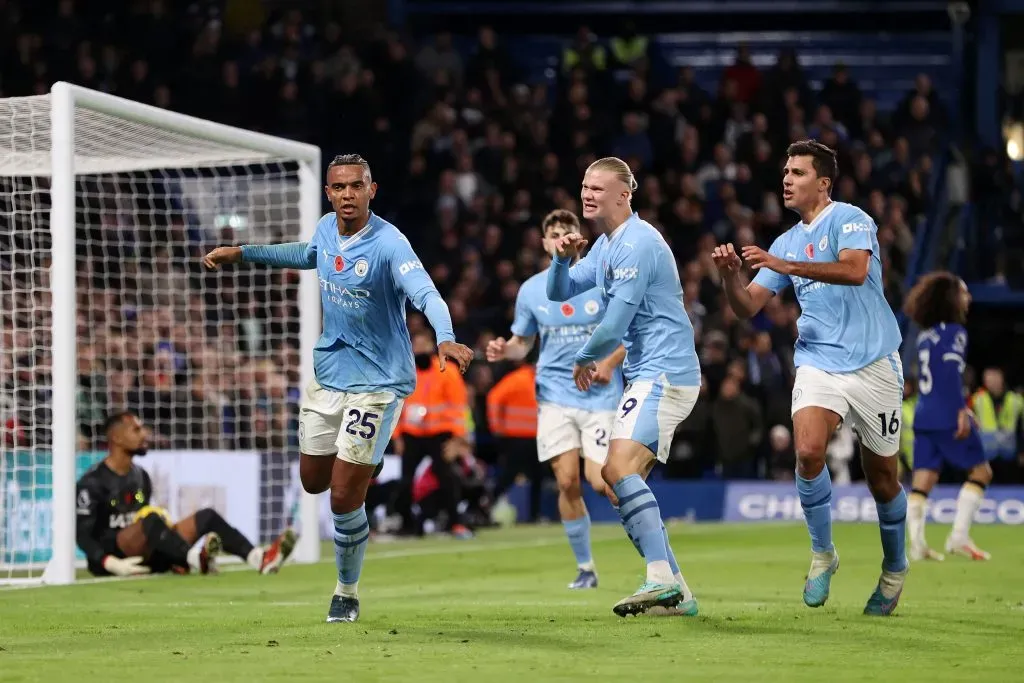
300,255
288,255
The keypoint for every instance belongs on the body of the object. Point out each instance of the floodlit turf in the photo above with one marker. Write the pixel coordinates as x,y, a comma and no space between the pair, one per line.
496,609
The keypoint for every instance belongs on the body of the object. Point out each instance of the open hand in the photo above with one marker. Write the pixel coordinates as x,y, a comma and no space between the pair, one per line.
726,259
570,245
460,354
583,375
757,258
215,258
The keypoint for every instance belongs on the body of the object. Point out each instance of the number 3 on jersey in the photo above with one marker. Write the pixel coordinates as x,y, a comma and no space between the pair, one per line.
924,382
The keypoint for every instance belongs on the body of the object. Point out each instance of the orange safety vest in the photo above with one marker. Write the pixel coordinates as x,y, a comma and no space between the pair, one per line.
438,404
512,404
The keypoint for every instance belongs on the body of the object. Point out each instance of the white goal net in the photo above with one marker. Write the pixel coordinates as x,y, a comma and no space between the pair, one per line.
212,362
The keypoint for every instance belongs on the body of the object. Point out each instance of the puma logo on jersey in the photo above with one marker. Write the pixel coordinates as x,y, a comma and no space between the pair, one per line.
543,309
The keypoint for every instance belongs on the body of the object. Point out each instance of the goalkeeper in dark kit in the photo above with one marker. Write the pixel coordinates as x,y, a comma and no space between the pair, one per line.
123,534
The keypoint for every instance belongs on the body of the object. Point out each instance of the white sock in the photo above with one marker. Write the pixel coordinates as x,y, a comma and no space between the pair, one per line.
193,556
347,590
255,557
967,504
660,571
687,593
915,520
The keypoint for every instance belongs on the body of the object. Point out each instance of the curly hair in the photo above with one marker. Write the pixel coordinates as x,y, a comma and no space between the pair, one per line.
935,299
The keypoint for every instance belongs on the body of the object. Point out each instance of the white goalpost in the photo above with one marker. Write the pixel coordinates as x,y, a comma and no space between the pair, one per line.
105,207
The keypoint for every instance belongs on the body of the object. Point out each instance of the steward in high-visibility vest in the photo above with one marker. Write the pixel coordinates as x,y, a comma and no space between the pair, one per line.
512,405
998,419
437,406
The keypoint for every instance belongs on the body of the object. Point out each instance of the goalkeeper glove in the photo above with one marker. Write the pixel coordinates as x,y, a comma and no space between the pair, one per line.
126,566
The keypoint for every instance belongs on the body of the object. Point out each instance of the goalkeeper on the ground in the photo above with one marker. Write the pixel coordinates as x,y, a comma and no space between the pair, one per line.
122,533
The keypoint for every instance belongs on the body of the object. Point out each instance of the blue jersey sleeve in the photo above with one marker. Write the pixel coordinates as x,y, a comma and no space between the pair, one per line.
301,255
769,279
856,230
609,333
410,277
525,323
565,282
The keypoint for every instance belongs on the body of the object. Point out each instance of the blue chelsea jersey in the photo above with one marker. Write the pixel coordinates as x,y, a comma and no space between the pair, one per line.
940,354
841,328
563,329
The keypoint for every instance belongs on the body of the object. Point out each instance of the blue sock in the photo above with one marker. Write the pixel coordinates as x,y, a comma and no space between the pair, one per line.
578,531
892,523
816,500
636,543
668,549
641,517
351,534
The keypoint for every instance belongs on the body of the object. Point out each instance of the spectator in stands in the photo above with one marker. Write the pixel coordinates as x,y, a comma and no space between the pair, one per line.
480,152
738,423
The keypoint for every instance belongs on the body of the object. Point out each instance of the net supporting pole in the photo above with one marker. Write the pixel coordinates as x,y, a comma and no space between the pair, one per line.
308,549
61,567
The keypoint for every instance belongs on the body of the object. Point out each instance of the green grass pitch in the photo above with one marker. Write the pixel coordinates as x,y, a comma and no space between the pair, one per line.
496,609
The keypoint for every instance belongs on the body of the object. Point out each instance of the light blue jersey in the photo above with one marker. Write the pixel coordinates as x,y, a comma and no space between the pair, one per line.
563,328
365,282
639,282
841,328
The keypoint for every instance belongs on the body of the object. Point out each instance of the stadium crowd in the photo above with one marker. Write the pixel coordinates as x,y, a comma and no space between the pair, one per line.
469,158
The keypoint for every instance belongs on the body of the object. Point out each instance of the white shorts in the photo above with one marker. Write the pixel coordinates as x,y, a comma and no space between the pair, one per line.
872,397
561,429
650,411
355,427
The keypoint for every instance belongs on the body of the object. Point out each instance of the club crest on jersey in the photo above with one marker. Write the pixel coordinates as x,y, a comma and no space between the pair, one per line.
591,307
568,310
362,267
809,250
823,244
339,263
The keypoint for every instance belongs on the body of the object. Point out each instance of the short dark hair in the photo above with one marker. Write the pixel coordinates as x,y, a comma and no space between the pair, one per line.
823,159
560,217
935,299
350,160
114,419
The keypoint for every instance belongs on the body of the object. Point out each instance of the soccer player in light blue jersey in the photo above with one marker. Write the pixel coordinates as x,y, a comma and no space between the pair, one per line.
944,428
636,272
846,355
363,361
569,423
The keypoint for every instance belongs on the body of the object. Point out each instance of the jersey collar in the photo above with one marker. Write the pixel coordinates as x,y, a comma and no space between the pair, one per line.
366,230
619,230
817,219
